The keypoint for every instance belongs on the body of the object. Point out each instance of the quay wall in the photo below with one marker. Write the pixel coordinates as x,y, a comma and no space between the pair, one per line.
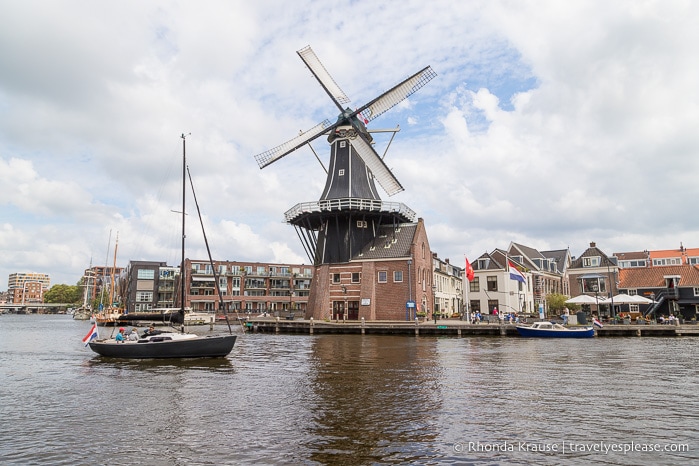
447,328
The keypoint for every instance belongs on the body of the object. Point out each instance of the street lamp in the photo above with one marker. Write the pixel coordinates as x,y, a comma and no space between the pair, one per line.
291,293
595,288
611,290
434,303
344,310
410,292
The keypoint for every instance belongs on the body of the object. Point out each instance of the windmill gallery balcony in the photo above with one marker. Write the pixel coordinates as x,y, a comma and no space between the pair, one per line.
348,204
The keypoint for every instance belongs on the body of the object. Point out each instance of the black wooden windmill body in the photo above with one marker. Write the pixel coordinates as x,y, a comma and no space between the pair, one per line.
350,212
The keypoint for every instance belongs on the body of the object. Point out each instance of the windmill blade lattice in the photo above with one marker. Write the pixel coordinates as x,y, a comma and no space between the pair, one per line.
269,156
396,95
313,63
376,165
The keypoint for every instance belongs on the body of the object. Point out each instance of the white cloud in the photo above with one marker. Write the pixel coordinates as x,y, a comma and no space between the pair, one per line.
552,124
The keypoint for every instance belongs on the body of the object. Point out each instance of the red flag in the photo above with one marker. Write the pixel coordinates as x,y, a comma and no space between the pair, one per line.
469,271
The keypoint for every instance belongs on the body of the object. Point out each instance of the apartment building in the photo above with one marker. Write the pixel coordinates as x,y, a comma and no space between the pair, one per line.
28,287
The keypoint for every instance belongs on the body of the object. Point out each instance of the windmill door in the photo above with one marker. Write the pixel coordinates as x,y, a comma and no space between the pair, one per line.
353,310
338,310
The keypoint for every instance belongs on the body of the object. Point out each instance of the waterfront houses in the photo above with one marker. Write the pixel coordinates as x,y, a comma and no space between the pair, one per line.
675,288
594,273
398,277
448,288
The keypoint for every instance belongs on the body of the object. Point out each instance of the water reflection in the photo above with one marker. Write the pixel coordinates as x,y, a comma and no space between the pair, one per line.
162,365
341,399
375,396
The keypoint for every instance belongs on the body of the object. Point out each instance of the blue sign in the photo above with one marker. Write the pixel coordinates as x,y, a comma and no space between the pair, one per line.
409,306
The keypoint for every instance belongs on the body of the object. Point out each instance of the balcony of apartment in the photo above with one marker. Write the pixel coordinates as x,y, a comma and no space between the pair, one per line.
303,284
277,284
258,284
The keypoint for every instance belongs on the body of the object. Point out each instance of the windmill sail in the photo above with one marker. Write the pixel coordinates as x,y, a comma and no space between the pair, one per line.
313,63
269,156
376,165
397,94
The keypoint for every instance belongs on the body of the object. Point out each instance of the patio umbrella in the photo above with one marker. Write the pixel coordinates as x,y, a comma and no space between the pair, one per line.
623,298
638,299
583,299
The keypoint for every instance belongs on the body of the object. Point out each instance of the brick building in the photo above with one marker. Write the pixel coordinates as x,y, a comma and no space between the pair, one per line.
28,287
377,282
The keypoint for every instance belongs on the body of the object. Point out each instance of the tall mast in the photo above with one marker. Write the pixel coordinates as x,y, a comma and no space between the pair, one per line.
184,192
113,283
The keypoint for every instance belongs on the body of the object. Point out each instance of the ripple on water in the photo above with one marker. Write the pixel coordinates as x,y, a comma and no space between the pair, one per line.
341,399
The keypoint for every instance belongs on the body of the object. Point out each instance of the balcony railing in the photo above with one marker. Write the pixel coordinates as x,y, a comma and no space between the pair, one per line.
349,203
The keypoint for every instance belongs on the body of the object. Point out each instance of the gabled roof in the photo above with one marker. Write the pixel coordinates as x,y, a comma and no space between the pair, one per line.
561,256
389,243
653,277
526,251
493,262
634,255
530,254
593,251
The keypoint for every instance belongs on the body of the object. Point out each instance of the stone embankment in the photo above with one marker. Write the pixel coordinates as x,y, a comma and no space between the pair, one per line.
446,328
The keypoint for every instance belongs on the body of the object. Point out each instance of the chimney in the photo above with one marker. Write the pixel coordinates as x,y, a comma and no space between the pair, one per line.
592,244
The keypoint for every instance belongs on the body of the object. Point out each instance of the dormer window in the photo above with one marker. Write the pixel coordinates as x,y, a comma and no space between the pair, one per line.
341,172
591,261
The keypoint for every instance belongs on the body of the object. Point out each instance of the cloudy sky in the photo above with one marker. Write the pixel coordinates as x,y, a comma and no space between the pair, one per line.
551,124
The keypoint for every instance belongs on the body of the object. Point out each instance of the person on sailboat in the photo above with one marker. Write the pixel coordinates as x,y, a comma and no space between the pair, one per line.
133,336
120,336
151,331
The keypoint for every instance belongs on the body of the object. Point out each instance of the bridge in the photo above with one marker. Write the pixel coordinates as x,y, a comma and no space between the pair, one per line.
35,308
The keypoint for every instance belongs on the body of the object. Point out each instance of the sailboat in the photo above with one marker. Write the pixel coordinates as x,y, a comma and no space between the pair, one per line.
85,311
108,317
170,344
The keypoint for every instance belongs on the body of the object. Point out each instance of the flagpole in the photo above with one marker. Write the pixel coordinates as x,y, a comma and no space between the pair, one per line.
507,293
466,284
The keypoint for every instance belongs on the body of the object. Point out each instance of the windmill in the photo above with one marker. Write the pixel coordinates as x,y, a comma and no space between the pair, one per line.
349,213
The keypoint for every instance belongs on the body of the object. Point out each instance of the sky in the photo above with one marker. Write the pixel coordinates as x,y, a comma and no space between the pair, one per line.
551,124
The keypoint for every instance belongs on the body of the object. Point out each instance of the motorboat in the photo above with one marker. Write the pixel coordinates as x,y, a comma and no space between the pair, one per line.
553,330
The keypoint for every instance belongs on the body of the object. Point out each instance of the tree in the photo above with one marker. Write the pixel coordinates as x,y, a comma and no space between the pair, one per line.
557,302
71,294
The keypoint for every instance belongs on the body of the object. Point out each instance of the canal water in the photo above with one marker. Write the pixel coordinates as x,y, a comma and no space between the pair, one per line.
348,399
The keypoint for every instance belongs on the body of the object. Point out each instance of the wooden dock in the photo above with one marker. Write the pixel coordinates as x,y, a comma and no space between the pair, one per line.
456,328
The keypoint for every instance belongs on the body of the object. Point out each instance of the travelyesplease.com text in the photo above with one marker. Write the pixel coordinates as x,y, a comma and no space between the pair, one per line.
569,447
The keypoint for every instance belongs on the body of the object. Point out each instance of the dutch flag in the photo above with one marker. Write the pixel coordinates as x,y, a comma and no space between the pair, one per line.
91,335
514,273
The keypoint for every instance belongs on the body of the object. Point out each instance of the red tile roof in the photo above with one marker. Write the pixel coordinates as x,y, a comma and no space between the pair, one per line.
652,277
